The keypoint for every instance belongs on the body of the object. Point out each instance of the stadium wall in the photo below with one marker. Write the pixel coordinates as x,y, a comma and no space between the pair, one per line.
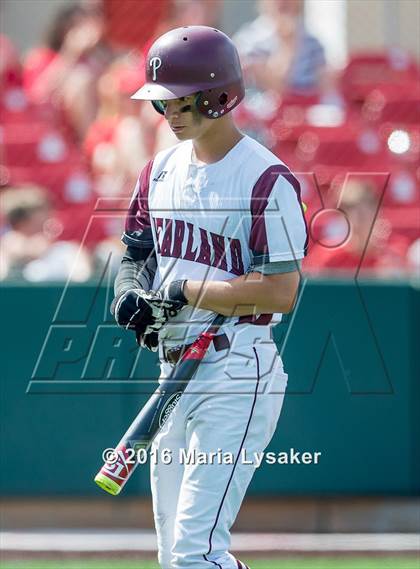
350,348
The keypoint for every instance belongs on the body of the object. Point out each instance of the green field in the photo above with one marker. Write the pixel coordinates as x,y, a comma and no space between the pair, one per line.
282,563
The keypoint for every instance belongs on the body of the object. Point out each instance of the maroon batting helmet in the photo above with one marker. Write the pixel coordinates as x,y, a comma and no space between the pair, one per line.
194,59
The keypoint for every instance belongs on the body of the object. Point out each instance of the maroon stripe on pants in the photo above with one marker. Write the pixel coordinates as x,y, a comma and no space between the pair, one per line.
254,401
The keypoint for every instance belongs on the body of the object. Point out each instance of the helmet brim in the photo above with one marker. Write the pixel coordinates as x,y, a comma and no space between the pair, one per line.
154,92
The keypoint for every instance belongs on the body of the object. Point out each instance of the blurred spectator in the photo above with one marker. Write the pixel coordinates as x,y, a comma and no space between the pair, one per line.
277,52
196,13
135,24
121,139
28,242
131,23
76,74
64,71
25,212
368,243
188,13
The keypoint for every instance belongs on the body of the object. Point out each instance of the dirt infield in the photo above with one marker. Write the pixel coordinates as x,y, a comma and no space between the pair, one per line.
271,515
88,543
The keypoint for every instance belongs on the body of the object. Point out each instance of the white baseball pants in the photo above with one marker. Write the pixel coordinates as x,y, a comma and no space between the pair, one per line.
233,404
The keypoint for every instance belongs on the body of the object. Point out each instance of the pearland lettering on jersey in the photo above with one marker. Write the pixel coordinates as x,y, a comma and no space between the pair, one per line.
183,240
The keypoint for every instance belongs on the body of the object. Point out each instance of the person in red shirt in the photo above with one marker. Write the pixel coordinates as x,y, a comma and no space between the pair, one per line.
64,71
121,139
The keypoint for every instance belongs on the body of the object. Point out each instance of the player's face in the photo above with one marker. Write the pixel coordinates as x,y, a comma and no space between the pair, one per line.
184,119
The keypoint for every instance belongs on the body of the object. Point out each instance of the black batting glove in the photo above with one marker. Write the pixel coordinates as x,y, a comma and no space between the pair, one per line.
173,300
149,341
147,312
134,310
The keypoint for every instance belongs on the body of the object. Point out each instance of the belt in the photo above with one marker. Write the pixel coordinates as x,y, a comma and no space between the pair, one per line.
172,355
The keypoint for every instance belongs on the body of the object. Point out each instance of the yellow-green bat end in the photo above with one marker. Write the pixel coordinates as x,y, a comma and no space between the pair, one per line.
304,207
107,484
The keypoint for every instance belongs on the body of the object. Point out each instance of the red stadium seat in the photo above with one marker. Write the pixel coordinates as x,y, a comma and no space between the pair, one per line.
395,186
403,188
14,105
84,224
68,183
34,143
293,99
132,24
15,176
402,111
404,221
330,182
393,104
366,71
16,109
342,146
349,145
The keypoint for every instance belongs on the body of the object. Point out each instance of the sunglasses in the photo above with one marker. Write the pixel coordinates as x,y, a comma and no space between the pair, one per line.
162,104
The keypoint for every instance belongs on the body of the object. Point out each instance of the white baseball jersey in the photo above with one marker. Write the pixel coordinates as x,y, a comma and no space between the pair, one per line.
214,221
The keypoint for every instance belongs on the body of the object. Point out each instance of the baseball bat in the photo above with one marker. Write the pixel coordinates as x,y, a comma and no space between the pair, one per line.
114,474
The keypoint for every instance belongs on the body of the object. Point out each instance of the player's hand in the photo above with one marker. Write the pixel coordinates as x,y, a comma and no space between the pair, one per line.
148,340
171,295
166,303
144,311
134,311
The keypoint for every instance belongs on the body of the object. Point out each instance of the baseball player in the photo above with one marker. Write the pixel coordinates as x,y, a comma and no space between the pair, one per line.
215,226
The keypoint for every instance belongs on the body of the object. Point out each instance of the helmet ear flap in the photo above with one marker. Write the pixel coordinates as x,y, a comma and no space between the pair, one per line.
205,102
218,101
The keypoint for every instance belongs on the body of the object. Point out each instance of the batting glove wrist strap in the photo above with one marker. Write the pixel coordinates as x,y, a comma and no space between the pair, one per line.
116,301
175,291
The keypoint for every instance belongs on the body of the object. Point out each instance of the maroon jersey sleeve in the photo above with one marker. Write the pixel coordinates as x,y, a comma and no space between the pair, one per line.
278,227
138,232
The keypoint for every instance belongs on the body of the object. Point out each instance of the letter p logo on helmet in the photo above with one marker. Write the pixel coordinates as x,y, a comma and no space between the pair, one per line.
155,63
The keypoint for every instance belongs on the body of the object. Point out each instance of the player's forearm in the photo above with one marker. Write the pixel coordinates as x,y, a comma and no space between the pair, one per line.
135,272
247,294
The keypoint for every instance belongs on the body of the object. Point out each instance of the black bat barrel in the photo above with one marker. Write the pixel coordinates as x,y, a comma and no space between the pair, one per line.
123,460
